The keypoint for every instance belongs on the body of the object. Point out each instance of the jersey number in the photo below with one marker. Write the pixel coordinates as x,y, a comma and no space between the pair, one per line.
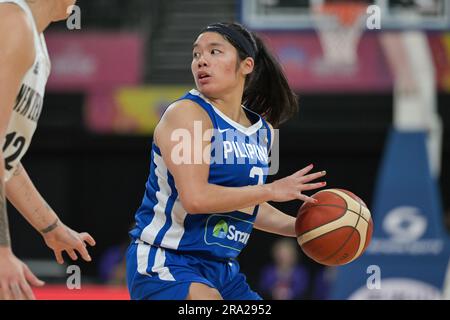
18,143
257,171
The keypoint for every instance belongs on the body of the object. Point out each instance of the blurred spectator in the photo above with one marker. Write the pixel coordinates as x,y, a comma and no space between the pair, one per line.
112,268
323,281
286,279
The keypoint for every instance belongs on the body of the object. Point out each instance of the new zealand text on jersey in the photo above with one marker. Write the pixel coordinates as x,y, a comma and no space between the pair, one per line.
29,103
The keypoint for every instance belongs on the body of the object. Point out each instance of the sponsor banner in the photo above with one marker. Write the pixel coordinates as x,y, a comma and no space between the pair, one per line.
87,61
301,55
399,289
409,248
302,58
130,110
399,279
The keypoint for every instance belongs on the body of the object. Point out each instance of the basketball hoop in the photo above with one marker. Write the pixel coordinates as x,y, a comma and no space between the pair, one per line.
339,27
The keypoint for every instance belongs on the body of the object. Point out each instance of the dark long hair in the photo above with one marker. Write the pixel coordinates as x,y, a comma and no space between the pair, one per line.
267,90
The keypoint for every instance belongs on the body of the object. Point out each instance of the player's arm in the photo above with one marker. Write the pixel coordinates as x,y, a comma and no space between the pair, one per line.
269,218
22,193
198,195
272,220
16,57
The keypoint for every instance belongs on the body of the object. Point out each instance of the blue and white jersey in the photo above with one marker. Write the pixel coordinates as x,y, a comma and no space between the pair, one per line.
239,157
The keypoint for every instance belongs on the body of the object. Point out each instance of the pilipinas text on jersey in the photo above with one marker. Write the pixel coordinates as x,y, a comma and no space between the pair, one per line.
239,156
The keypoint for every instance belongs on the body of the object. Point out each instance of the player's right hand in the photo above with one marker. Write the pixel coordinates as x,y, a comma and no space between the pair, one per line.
15,278
292,187
64,239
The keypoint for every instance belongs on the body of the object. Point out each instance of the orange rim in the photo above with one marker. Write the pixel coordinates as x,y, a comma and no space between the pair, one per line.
347,13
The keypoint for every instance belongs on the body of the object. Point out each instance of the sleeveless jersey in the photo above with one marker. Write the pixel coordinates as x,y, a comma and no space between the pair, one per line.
28,106
239,157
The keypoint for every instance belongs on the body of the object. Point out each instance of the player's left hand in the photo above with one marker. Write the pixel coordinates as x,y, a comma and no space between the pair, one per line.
62,238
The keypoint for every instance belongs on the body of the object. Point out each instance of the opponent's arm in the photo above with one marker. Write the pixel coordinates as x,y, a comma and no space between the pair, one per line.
16,57
198,195
27,200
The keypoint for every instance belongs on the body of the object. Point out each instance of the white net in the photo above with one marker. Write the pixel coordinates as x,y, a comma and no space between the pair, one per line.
339,29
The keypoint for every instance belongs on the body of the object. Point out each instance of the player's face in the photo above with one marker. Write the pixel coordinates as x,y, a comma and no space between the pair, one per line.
61,9
215,65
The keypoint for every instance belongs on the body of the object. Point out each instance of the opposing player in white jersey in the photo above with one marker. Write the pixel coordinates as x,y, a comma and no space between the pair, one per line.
24,69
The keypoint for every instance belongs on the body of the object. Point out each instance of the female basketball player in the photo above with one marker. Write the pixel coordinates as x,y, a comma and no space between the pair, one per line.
24,69
196,216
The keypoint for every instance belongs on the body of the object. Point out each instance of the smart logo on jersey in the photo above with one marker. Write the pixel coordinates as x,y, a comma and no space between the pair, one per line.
229,232
236,235
220,230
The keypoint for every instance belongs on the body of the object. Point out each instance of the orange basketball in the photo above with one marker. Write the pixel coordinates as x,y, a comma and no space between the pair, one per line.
336,230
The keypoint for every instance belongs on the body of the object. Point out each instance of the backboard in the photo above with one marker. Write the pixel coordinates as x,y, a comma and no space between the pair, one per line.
395,14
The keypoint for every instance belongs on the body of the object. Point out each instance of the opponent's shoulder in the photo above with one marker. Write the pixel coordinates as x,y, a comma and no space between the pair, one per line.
16,33
14,21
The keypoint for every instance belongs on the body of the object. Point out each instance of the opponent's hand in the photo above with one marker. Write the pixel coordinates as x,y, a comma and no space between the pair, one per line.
292,187
15,278
62,238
